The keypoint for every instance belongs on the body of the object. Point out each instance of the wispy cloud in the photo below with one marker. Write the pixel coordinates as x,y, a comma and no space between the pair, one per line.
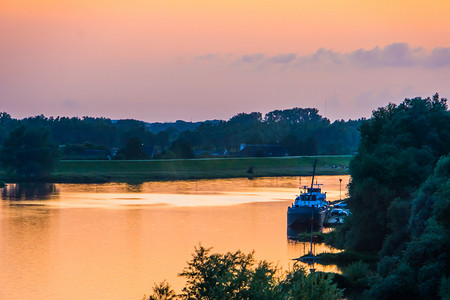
439,57
208,56
321,57
71,105
393,55
251,58
396,55
283,58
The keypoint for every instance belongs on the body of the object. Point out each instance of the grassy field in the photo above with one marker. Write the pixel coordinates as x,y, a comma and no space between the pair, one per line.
179,169
202,168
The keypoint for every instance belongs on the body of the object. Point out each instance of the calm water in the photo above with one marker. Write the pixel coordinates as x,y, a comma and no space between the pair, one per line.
113,241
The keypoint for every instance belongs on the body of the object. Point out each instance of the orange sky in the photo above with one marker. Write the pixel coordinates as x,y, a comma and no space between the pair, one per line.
90,53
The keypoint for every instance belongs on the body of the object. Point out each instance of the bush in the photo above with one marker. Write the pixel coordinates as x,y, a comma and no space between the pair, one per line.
237,276
336,237
315,286
444,289
400,284
217,276
387,264
358,274
429,280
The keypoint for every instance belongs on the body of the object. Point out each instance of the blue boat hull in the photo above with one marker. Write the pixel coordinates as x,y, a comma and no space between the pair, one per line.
301,216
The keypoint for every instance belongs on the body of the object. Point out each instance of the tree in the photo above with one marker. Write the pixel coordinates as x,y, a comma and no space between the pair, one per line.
162,291
237,276
182,149
134,149
399,148
423,269
295,116
28,154
217,276
246,119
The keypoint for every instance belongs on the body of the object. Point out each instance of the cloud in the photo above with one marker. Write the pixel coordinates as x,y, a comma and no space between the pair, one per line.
439,57
208,56
396,55
321,57
283,58
70,104
251,58
393,55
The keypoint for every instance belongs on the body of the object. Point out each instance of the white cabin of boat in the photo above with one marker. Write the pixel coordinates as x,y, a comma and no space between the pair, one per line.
313,197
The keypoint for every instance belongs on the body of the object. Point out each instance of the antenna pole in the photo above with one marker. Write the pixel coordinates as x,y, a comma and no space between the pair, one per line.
314,173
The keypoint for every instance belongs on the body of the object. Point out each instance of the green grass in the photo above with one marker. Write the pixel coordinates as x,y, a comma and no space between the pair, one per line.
176,169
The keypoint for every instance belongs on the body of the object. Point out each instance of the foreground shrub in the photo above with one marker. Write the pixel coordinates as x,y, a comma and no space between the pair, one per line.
238,276
162,291
315,286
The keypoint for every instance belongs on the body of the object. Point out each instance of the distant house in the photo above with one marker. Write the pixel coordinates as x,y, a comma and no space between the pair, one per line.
262,150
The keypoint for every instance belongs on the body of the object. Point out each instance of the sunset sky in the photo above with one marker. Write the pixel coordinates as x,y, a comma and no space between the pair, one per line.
197,59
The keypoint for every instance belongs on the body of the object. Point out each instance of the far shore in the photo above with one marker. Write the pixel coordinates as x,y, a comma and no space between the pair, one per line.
97,171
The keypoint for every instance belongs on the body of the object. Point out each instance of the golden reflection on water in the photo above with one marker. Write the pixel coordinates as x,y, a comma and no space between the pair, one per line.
115,240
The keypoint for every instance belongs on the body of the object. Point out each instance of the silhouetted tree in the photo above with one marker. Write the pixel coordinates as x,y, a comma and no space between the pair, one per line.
399,148
182,149
134,149
238,276
28,154
422,270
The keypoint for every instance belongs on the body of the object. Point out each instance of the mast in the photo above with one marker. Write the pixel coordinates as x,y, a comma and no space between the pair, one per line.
314,173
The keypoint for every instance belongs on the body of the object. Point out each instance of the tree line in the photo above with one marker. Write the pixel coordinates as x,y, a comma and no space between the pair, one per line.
400,200
301,131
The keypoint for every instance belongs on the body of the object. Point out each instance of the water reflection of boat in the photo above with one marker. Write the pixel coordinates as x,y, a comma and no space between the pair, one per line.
309,208
310,258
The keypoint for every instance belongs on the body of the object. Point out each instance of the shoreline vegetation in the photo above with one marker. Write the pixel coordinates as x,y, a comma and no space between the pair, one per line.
99,171
236,275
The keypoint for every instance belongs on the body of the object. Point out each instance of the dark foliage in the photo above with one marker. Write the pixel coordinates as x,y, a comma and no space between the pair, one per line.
182,148
237,276
28,154
84,151
399,148
400,199
134,149
300,130
420,272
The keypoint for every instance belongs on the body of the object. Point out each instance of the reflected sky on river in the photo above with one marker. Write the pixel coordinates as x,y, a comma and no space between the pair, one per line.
115,240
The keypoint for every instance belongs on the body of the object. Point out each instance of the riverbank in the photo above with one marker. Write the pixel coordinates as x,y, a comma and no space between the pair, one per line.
187,169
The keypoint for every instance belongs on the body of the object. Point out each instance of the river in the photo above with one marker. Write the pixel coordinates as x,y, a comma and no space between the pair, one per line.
115,240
